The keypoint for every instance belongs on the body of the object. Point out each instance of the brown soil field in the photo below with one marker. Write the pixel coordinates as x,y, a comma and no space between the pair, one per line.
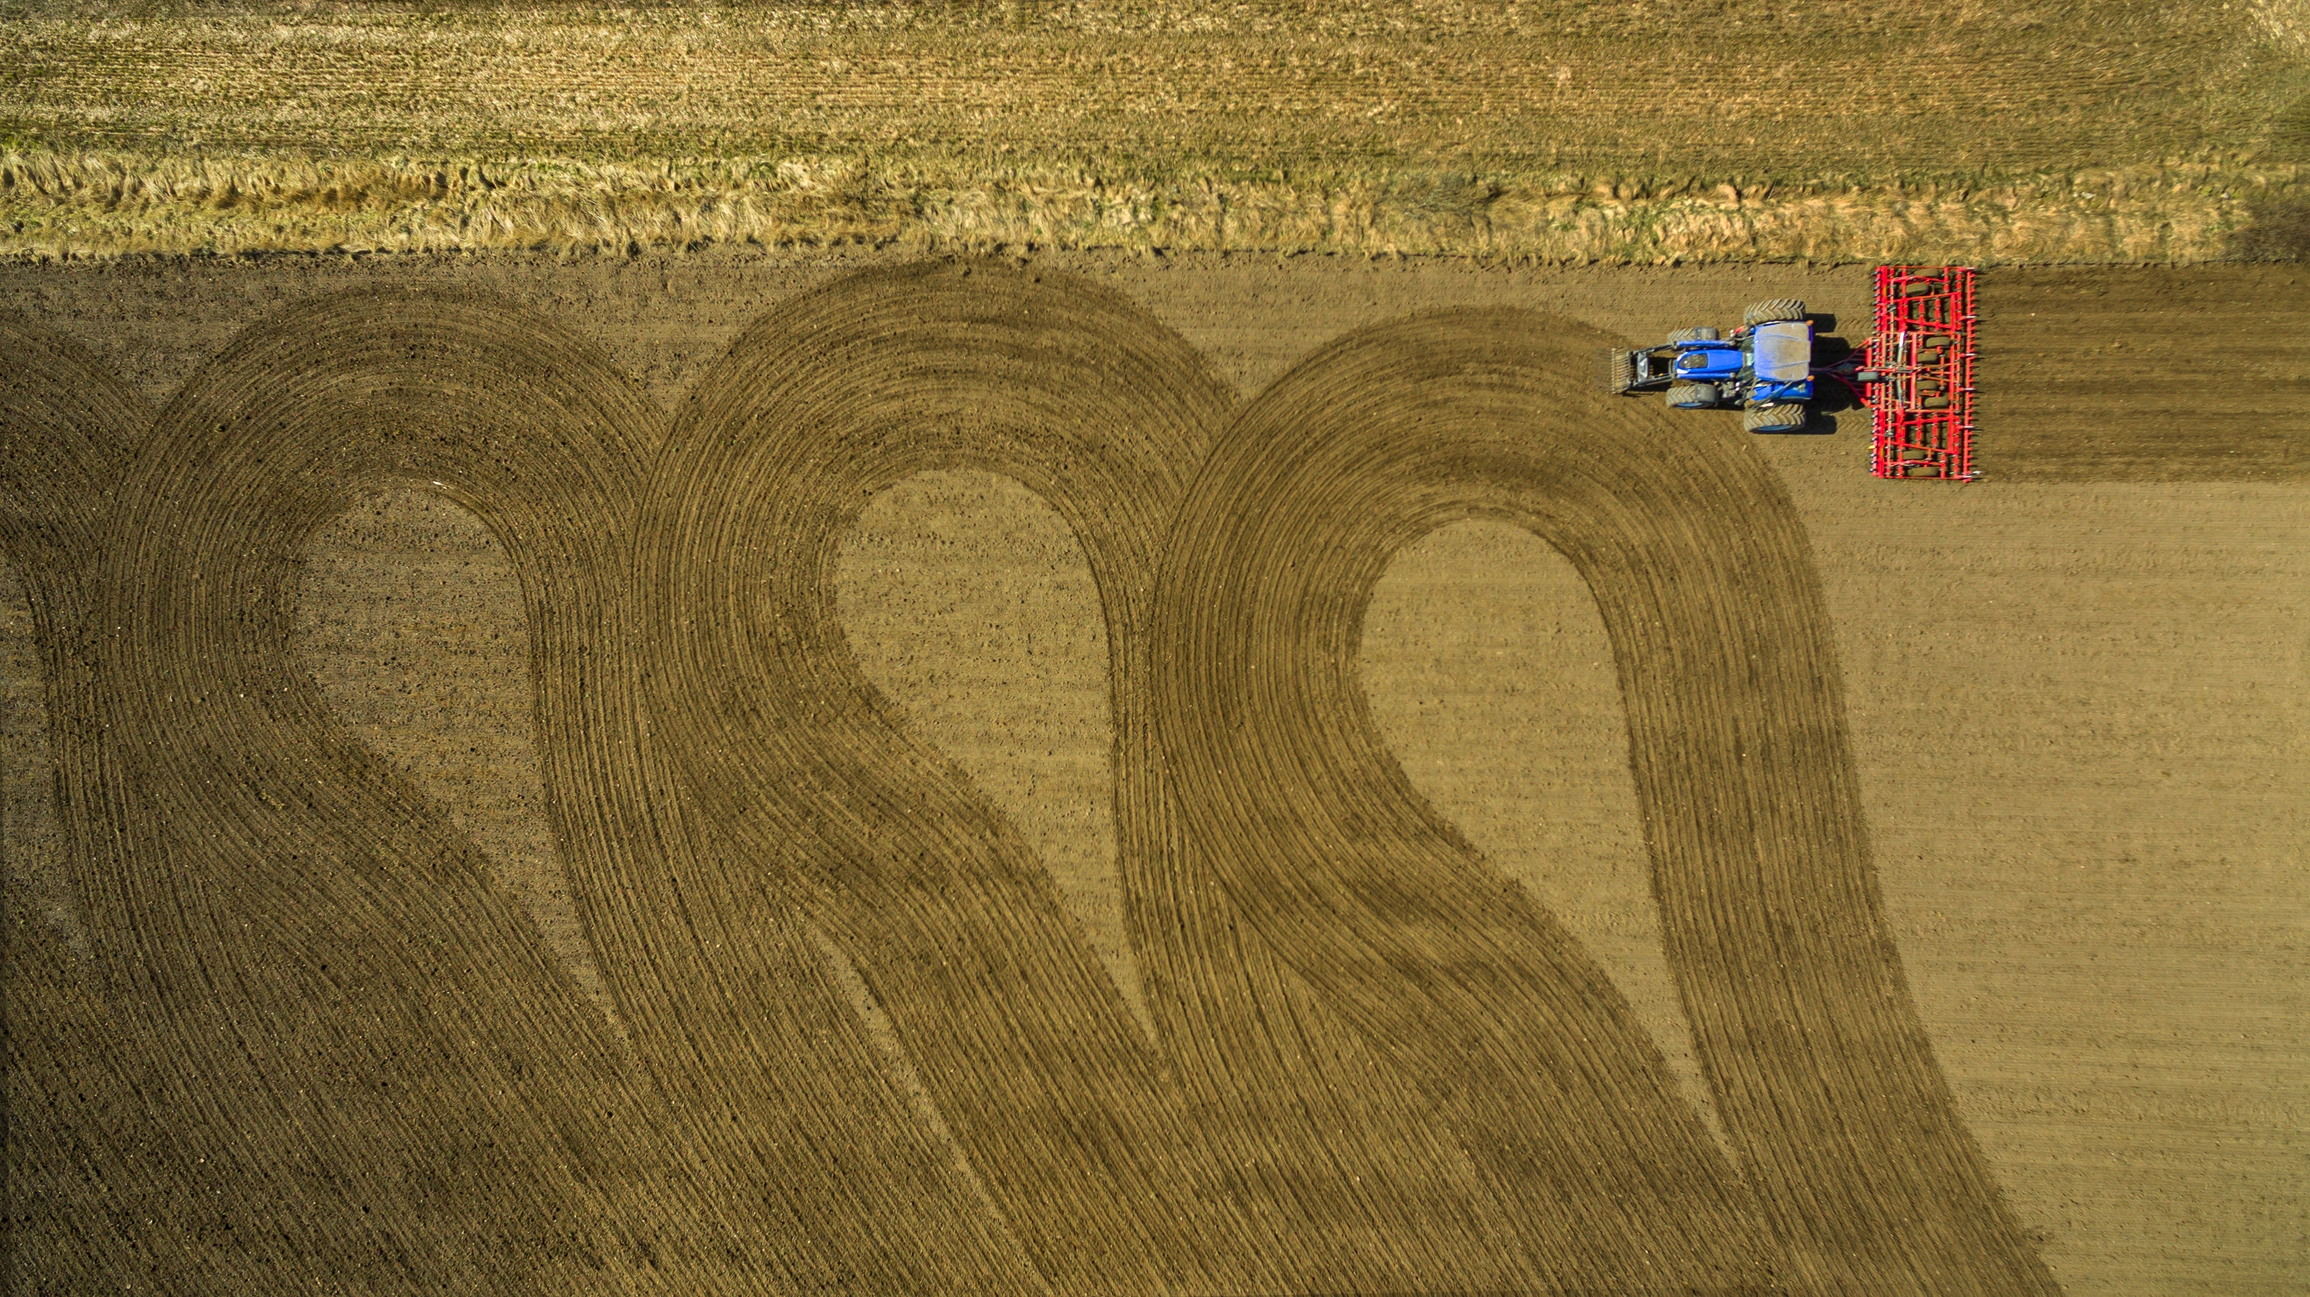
1119,774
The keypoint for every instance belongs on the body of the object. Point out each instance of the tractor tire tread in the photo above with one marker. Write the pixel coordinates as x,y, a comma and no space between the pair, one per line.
1682,396
1773,311
1773,418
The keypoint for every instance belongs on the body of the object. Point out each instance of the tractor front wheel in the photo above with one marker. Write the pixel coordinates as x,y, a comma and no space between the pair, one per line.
1692,396
1777,311
1773,418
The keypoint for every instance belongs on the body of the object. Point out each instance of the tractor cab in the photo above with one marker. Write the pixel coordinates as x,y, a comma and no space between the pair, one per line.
1769,363
1782,356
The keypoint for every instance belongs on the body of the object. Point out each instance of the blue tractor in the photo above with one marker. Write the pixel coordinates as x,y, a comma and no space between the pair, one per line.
1765,368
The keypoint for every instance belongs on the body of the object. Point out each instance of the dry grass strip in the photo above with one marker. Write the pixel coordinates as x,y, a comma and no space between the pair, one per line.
1352,126
107,202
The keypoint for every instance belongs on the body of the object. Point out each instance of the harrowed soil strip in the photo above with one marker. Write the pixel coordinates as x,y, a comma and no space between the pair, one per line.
2145,374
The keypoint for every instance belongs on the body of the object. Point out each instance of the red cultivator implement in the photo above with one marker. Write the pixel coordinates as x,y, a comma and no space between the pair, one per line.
1921,355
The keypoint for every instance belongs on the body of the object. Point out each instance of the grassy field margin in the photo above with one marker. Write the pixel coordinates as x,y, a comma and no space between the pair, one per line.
96,204
1560,131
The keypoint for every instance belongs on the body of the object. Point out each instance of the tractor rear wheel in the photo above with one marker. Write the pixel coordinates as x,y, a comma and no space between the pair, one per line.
1773,418
1777,311
1692,396
1702,334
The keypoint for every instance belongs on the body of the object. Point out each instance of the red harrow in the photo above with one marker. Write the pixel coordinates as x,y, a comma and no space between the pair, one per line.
1921,356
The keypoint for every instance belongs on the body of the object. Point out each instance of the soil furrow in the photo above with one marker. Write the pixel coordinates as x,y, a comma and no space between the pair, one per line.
378,1065
2121,374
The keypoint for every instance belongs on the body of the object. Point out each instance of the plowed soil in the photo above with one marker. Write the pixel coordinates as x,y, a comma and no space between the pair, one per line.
1119,776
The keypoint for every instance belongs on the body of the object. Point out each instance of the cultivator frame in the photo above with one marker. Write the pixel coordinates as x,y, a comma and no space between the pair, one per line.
1922,351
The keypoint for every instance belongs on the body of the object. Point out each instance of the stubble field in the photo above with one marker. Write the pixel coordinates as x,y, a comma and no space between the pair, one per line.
1214,776
1564,131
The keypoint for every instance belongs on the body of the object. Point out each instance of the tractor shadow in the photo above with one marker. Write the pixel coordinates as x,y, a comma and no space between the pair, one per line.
1831,398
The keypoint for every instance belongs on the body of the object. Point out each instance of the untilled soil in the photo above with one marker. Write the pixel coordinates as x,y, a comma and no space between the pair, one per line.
2072,717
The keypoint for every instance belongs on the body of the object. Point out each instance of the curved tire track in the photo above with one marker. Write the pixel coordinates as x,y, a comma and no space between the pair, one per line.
89,1177
1850,1150
1273,1175
819,800
382,1067
68,429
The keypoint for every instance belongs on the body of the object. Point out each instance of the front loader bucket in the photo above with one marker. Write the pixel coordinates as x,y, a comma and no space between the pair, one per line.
1615,369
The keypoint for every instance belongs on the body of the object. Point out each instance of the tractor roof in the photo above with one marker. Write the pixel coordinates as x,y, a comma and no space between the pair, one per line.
1783,353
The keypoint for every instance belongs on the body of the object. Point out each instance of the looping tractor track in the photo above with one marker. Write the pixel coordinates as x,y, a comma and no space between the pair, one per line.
1849,1152
819,798
1376,1063
355,1017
